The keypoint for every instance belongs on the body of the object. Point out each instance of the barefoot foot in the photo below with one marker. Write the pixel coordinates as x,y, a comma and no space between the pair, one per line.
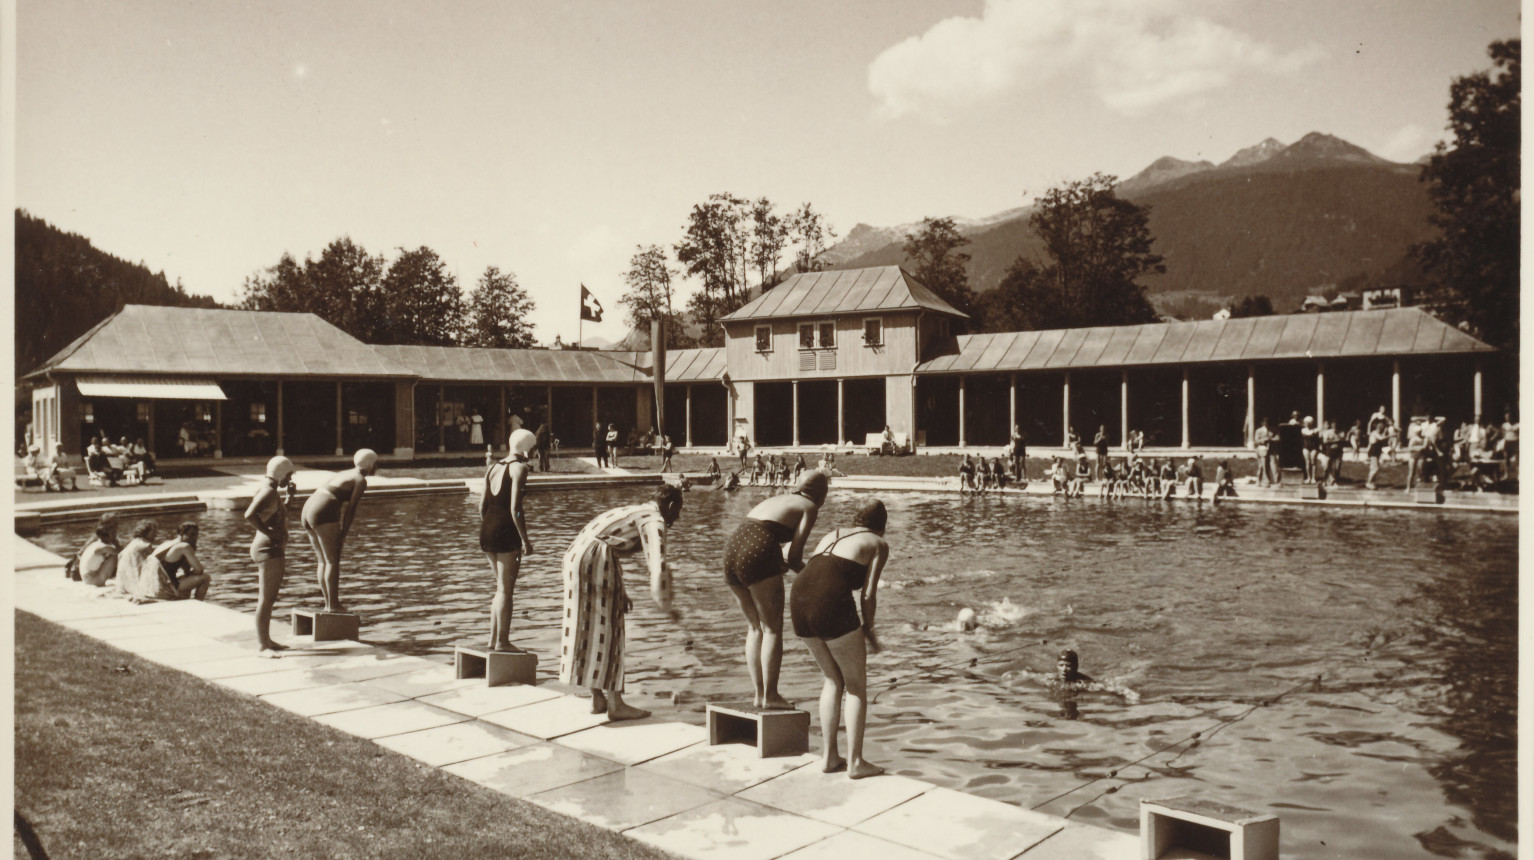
863,769
617,713
268,648
835,765
777,703
598,702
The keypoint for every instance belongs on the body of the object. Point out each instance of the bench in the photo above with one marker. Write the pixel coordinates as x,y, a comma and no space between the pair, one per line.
876,444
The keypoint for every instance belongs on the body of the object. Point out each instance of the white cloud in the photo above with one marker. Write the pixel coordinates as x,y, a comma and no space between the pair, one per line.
1133,54
1409,143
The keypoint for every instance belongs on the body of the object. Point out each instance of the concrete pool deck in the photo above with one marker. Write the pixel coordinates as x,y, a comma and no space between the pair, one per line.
654,780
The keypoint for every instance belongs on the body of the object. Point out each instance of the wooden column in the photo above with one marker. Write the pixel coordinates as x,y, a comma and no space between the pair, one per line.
340,423
1395,392
1124,410
441,432
279,419
689,415
1251,405
218,428
841,411
1011,405
596,422
500,425
548,407
1320,394
1185,434
796,413
1065,412
961,412
1476,391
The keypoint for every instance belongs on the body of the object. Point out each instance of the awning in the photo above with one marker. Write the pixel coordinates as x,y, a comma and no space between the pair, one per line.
150,388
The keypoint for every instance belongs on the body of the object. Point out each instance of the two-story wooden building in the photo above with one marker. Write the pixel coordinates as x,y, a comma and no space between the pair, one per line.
828,357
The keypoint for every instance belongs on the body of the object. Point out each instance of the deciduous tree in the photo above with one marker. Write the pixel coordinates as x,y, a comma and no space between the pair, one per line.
812,235
933,252
651,295
498,312
1473,182
421,304
768,238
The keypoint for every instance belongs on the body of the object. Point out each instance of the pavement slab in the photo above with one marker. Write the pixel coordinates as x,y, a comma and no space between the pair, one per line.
477,699
852,845
395,718
635,741
532,769
972,828
832,797
455,743
624,799
727,769
733,829
548,719
329,700
1084,842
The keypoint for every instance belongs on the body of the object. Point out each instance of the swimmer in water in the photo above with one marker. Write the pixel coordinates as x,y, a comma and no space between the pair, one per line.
328,517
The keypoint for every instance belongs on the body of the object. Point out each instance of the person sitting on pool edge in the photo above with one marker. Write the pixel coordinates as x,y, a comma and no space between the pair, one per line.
848,561
180,574
754,563
1224,483
98,559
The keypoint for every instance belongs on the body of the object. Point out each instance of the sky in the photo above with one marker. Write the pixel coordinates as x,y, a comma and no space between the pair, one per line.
207,139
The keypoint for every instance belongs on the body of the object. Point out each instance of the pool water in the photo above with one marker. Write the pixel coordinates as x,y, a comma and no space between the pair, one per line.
1352,671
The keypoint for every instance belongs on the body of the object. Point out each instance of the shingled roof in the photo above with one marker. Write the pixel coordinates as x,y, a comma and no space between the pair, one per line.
847,291
1339,334
551,366
145,339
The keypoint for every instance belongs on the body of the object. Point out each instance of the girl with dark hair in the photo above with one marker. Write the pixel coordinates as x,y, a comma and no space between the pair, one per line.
825,616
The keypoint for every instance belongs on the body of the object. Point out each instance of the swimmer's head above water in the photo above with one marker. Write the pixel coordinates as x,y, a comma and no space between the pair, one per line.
1067,667
669,499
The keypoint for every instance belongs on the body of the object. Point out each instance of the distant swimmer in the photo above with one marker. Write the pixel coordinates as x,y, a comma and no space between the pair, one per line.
1068,680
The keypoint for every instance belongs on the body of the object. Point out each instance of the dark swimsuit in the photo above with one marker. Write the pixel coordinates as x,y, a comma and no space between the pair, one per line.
324,506
497,530
754,553
174,569
821,604
265,548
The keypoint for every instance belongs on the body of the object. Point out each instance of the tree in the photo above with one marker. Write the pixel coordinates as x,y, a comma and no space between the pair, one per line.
421,303
344,286
812,234
1473,184
1026,299
1252,306
1098,246
651,295
768,238
938,263
498,311
715,250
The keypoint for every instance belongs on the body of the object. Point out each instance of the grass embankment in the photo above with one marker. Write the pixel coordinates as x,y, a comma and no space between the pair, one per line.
120,757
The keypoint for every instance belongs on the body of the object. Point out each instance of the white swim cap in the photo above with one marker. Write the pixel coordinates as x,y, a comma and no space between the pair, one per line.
365,458
522,441
279,468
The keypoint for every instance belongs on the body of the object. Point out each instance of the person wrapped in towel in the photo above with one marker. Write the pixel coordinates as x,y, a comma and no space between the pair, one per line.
591,640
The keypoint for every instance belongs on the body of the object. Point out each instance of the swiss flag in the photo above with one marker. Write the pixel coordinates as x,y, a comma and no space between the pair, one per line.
591,309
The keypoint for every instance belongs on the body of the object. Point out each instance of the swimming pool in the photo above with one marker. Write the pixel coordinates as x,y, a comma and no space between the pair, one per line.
1404,747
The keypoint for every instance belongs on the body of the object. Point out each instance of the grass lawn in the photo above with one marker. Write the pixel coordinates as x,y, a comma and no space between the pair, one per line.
120,757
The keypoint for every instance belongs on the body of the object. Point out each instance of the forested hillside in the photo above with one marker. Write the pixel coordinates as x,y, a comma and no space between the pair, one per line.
64,285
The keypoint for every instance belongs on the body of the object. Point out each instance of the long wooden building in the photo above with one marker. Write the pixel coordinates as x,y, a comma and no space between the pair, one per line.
825,358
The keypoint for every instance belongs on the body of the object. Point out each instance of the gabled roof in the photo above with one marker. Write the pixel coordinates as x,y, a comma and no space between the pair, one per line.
543,366
1339,334
142,339
846,291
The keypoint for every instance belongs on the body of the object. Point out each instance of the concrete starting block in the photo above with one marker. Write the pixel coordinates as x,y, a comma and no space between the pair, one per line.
1427,494
326,626
773,731
1312,491
1192,828
498,668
